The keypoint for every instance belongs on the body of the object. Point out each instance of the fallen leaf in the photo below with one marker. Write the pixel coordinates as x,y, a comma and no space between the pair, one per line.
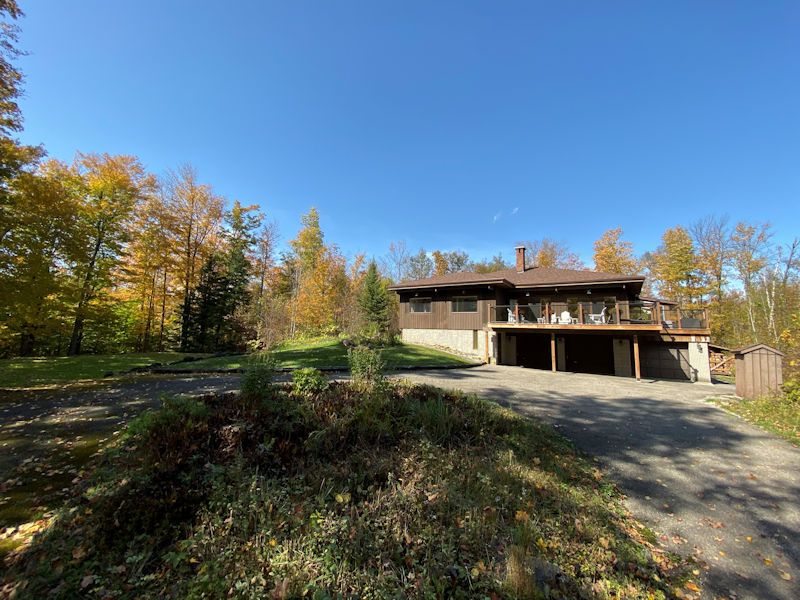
691,586
786,576
768,562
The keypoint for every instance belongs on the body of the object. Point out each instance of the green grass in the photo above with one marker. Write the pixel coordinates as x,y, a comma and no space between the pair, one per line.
777,414
31,372
400,491
332,353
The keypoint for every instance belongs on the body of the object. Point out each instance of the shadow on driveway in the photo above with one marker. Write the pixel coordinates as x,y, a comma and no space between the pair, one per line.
710,484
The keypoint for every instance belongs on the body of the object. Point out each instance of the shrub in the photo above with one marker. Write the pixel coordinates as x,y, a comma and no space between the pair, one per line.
163,431
309,381
258,379
366,366
791,390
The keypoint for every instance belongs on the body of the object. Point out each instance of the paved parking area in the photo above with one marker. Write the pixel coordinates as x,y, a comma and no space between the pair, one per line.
710,484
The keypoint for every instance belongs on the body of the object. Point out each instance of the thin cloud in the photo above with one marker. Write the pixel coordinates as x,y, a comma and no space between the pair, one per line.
496,217
515,211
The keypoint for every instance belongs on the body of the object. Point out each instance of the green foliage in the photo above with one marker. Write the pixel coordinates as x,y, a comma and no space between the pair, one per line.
778,413
309,381
162,431
366,366
791,391
374,304
417,493
257,383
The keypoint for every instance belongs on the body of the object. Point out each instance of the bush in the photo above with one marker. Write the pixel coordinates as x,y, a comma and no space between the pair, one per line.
791,390
258,379
162,431
309,381
366,366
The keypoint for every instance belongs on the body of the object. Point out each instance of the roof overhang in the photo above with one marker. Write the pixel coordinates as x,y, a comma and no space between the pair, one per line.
505,283
429,286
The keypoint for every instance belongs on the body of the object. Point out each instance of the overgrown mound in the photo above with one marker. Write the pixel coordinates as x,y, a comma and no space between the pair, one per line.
333,490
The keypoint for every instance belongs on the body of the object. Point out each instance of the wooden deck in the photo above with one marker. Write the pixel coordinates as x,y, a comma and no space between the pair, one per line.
667,333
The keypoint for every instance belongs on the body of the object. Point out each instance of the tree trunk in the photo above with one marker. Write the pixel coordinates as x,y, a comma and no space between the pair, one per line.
77,333
86,289
163,313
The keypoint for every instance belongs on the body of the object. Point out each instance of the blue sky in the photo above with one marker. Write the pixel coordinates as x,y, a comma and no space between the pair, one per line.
452,125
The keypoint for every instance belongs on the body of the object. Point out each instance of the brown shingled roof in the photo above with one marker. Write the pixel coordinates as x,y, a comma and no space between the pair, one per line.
531,277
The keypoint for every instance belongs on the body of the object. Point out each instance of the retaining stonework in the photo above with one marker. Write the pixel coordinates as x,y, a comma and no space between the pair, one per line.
460,341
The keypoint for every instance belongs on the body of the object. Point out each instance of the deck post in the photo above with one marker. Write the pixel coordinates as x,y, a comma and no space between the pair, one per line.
678,324
516,314
553,351
580,313
486,346
619,316
636,365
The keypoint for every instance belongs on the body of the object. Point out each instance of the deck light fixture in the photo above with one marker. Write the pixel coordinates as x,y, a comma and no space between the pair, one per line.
588,292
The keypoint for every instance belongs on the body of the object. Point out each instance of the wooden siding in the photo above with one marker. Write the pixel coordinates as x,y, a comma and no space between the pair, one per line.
758,373
442,316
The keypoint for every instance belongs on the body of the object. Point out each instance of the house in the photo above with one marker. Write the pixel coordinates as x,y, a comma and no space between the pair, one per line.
559,319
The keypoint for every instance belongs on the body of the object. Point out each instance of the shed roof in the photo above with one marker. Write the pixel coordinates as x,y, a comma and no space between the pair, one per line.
754,347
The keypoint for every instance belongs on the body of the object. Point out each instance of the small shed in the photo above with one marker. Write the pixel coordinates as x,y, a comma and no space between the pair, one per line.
758,370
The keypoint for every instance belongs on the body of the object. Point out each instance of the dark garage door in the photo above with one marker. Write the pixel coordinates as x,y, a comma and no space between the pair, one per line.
589,354
584,353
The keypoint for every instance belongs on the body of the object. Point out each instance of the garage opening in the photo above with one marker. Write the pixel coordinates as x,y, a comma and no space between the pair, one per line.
589,354
577,353
533,350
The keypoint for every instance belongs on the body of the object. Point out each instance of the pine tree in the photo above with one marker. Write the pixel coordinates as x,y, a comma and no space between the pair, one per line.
374,303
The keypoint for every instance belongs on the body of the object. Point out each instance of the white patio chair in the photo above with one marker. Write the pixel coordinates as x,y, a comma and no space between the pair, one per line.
598,318
565,318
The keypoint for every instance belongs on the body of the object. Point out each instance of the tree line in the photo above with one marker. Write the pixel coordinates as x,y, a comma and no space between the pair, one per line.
99,255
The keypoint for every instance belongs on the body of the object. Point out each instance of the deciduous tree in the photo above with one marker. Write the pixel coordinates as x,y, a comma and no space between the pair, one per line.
420,266
614,255
549,253
197,213
674,266
110,187
749,246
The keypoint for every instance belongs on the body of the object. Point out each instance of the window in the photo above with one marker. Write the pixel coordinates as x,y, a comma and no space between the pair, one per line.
474,339
420,305
465,304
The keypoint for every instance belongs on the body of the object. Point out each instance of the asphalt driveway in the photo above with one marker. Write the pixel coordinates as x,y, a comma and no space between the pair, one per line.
710,484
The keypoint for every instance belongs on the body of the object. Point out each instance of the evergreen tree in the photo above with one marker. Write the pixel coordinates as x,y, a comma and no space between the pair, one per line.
374,304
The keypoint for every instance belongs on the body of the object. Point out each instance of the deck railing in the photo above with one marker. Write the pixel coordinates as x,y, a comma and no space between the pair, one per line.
667,316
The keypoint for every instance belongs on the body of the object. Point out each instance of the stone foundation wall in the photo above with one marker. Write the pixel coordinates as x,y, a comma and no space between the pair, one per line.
460,341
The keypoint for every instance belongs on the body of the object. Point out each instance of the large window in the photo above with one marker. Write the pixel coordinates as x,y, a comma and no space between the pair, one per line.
420,305
465,304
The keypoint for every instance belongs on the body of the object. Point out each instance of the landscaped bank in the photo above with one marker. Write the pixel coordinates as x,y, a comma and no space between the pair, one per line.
370,489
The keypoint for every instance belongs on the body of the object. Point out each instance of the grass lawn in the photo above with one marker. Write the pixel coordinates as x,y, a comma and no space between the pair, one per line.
776,414
332,353
30,372
342,491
